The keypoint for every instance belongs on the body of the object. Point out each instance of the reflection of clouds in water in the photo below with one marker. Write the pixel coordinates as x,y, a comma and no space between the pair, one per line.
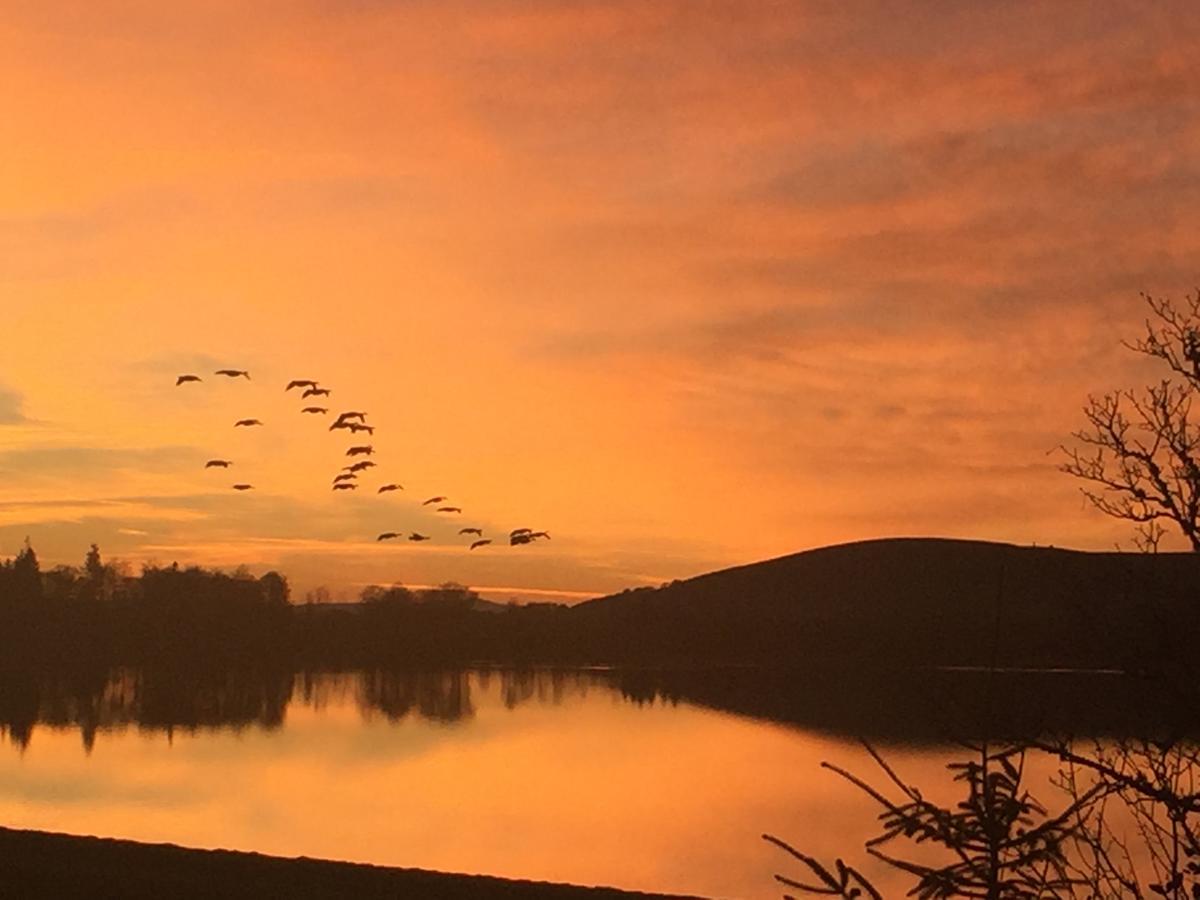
550,775
559,785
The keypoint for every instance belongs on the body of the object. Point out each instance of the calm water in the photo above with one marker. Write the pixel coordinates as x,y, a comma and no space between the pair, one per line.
564,777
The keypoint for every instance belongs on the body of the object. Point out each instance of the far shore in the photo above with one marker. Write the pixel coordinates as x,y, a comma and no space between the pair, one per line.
36,864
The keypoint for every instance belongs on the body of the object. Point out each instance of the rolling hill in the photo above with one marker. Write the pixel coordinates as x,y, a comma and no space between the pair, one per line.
912,601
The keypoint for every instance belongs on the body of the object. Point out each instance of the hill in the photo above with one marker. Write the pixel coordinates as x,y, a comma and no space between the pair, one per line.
912,601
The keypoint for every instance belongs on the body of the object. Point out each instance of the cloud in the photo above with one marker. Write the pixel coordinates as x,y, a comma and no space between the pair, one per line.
70,238
12,407
93,461
808,257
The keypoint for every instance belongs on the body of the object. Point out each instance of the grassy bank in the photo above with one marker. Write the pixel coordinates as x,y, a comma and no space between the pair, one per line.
35,864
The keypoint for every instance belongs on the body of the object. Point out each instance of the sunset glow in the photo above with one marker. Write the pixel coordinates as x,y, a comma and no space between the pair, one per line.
686,285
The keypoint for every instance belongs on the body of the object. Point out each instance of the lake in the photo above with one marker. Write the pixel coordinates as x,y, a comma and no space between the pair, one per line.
582,776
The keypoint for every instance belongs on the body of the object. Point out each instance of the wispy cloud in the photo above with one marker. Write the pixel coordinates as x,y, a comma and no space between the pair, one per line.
684,283
12,406
92,461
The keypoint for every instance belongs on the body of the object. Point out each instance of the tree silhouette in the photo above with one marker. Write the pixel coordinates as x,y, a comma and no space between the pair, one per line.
93,565
275,589
27,575
1140,451
998,843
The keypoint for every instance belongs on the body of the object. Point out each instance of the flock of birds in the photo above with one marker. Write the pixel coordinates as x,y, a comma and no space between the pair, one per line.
355,421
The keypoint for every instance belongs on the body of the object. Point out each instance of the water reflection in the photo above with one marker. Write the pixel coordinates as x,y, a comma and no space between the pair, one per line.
163,700
535,774
234,699
549,774
917,707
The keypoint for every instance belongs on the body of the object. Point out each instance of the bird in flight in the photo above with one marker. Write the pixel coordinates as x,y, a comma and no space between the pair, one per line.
515,539
481,543
318,410
359,466
478,531
218,464
432,500
345,476
234,373
390,487
388,535
355,429
243,487
339,424
315,392
246,422
449,509
345,486
517,532
183,379
347,416
418,537
360,451
300,382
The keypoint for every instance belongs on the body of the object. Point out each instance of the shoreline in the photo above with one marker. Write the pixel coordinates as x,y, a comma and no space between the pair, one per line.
38,864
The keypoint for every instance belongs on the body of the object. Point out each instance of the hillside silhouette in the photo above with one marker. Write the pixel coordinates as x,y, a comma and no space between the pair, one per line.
855,638
904,602
915,601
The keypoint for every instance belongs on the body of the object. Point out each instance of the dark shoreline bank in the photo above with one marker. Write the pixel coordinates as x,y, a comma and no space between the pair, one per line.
38,864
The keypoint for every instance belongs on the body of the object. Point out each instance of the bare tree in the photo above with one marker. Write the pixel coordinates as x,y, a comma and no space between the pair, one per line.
1140,452
1153,786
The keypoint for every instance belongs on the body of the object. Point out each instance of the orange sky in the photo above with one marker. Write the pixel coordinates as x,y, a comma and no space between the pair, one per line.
686,284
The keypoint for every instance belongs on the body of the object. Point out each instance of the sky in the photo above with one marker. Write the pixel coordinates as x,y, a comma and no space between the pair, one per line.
686,284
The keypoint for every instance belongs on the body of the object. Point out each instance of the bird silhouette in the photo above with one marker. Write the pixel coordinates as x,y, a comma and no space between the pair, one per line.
388,535
355,429
300,382
243,487
345,486
359,466
478,531
339,424
366,450
246,422
432,500
315,392
519,531
418,537
345,476
218,464
319,410
390,487
347,416
449,509
519,539
184,379
481,543
233,373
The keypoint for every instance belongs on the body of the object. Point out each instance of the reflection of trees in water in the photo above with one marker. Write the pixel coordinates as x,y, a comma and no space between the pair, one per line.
921,707
438,696
448,696
546,686
158,699
221,698
165,700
